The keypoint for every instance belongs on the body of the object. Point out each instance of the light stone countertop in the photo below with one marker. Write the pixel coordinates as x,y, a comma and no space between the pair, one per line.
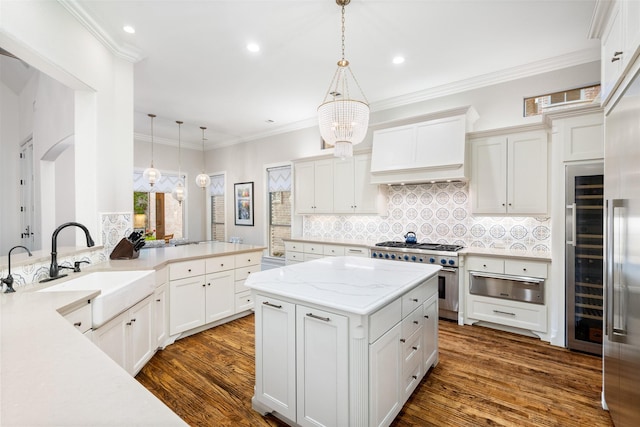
350,284
52,375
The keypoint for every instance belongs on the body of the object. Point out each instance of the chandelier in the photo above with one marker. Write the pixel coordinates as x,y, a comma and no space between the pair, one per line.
178,192
203,180
151,174
343,120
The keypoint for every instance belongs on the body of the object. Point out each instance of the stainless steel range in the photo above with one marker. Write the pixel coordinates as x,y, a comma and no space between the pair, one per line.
429,253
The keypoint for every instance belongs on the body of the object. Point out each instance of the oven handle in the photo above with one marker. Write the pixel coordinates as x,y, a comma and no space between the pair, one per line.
449,269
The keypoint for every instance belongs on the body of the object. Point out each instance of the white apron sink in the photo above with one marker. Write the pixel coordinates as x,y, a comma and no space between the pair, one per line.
119,290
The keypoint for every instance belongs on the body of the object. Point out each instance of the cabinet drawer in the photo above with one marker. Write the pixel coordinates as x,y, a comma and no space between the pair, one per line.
519,315
384,319
333,250
414,298
244,272
244,301
412,350
220,263
525,268
183,269
294,256
412,323
490,265
251,258
412,379
310,257
293,247
313,248
356,251
80,318
240,287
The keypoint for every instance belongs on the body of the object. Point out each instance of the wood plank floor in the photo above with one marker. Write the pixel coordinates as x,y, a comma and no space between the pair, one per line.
484,378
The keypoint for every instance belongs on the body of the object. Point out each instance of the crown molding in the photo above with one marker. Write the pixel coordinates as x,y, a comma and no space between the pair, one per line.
599,19
124,51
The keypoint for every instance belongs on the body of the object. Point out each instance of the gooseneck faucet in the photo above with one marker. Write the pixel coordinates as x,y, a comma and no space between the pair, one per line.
9,279
54,270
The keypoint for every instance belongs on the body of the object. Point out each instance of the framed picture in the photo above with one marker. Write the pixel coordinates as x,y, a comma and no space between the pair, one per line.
243,198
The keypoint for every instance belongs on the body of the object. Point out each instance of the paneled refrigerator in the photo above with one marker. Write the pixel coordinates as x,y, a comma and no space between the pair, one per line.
622,260
584,256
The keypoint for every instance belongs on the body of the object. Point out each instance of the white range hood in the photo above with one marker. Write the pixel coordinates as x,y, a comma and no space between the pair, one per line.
431,150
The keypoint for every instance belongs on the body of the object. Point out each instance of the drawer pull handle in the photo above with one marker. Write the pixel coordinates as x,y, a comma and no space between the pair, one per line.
415,322
158,300
324,319
504,312
77,324
414,347
271,305
414,299
415,377
426,316
403,340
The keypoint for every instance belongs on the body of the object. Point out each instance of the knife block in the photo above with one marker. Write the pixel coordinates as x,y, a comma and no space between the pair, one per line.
124,250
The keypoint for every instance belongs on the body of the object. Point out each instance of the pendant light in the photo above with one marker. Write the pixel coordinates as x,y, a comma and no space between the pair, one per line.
151,174
343,120
178,192
203,180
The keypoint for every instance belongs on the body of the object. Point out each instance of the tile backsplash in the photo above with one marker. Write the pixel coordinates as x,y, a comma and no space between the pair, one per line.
440,213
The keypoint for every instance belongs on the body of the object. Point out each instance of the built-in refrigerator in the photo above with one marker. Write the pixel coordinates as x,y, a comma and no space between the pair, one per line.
584,256
622,260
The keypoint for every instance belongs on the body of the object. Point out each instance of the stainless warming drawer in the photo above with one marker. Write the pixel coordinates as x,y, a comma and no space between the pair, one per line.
517,288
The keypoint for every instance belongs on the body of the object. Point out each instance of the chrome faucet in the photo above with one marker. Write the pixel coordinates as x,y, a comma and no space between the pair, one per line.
9,279
54,269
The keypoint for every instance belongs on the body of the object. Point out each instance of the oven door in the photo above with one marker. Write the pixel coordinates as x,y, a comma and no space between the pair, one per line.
448,293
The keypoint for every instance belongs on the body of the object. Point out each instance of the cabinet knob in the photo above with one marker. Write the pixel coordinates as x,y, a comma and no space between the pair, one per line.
77,324
415,322
503,204
524,269
208,284
402,340
414,299
158,300
414,377
203,285
222,264
414,347
133,320
484,265
426,316
189,270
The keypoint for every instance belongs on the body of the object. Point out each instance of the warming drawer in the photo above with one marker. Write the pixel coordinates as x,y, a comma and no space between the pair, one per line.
516,288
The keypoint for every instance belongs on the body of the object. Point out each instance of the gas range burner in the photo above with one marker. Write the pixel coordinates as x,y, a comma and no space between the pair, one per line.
421,246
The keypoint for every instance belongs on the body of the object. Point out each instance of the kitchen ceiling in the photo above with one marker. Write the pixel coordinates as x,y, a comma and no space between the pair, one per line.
193,64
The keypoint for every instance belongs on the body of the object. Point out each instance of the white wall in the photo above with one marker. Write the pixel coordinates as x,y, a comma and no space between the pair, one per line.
47,37
9,170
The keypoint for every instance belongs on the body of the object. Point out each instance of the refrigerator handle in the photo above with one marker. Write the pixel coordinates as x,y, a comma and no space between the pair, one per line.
571,240
616,311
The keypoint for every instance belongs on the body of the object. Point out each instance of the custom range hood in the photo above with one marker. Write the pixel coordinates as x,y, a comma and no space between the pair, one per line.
432,150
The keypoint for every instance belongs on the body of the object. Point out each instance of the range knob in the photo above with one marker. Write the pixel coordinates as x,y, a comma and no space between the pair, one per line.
420,260
413,258
393,256
375,255
432,260
406,257
451,262
386,256
443,261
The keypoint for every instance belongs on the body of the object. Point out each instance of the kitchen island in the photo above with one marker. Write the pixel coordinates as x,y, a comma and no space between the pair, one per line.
343,340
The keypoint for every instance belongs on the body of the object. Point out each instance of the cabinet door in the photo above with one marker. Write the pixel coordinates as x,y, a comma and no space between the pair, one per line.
583,137
385,359
161,314
323,186
612,53
304,187
322,368
394,148
186,304
220,295
430,332
365,196
111,338
488,175
527,173
142,339
343,185
275,329
433,135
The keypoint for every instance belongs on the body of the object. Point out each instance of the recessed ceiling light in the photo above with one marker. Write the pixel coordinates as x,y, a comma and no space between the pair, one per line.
129,29
398,60
253,47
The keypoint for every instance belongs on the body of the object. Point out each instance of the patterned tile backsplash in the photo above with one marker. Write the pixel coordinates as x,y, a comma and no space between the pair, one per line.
440,213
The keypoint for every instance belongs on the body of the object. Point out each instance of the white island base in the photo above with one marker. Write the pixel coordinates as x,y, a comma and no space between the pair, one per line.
343,341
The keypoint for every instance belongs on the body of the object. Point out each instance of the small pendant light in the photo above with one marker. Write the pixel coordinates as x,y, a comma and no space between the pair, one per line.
151,174
178,192
203,180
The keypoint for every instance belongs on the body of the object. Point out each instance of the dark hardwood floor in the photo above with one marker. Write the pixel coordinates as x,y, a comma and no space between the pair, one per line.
484,378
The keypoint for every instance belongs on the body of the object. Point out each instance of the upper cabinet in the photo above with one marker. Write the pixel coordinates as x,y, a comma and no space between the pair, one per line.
340,186
509,174
313,192
617,24
421,152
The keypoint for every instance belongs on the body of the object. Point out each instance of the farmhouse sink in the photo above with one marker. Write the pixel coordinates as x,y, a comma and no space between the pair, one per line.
119,290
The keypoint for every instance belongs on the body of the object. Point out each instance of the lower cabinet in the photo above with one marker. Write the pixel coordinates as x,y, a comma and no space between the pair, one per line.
129,339
161,309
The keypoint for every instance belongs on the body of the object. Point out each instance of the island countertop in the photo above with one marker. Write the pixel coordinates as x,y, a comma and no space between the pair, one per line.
352,284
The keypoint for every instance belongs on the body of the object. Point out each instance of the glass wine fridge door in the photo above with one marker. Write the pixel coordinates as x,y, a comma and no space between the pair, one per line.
584,257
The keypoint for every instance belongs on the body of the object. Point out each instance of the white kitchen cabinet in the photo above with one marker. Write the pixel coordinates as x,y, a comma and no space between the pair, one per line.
220,296
430,332
352,188
582,137
297,251
322,388
313,187
129,339
161,307
276,355
385,358
246,264
186,304
509,174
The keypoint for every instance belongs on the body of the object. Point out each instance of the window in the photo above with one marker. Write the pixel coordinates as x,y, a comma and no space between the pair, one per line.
279,208
155,212
539,104
217,208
